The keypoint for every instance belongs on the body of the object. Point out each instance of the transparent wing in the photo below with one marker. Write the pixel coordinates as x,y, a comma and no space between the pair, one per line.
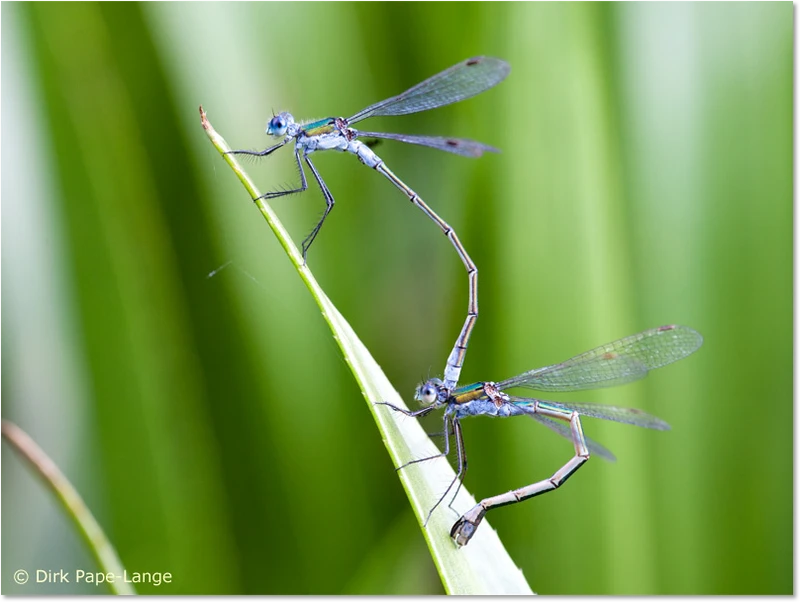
459,146
604,412
562,429
616,363
461,81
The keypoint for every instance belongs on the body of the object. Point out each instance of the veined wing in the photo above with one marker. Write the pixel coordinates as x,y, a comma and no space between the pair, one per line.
459,82
459,146
562,429
616,363
604,412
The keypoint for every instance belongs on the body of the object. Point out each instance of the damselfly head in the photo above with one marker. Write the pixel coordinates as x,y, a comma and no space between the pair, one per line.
278,124
428,392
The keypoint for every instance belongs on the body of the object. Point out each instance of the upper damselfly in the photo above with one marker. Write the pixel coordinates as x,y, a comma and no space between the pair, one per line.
459,82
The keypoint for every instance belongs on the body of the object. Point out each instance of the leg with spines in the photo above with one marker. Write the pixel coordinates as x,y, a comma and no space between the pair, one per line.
451,427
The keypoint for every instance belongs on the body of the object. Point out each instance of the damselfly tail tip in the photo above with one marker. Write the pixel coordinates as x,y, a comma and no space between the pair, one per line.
462,531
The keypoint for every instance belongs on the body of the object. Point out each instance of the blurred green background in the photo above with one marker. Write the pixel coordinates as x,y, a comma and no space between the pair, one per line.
212,424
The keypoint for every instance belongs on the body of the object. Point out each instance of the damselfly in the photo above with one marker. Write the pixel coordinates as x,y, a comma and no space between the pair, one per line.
459,82
616,363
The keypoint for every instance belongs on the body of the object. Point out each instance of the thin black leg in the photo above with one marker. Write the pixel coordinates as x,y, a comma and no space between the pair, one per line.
444,454
462,461
441,434
414,414
264,153
303,183
461,464
329,202
277,193
451,427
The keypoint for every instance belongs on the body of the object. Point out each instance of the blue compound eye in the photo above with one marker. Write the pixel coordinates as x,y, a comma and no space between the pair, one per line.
426,394
278,124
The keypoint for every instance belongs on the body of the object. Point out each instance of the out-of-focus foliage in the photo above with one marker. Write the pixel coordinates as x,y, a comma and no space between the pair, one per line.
211,423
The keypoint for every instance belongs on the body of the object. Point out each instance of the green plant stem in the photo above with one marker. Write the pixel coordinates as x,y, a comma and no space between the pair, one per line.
92,533
482,567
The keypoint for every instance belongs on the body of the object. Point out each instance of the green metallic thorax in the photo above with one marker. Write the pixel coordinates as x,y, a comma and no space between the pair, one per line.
318,128
468,393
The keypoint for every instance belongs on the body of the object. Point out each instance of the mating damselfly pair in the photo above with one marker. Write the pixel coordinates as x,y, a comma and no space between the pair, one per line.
616,363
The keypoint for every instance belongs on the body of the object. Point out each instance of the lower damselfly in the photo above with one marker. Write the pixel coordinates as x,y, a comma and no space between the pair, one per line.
616,363
459,82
